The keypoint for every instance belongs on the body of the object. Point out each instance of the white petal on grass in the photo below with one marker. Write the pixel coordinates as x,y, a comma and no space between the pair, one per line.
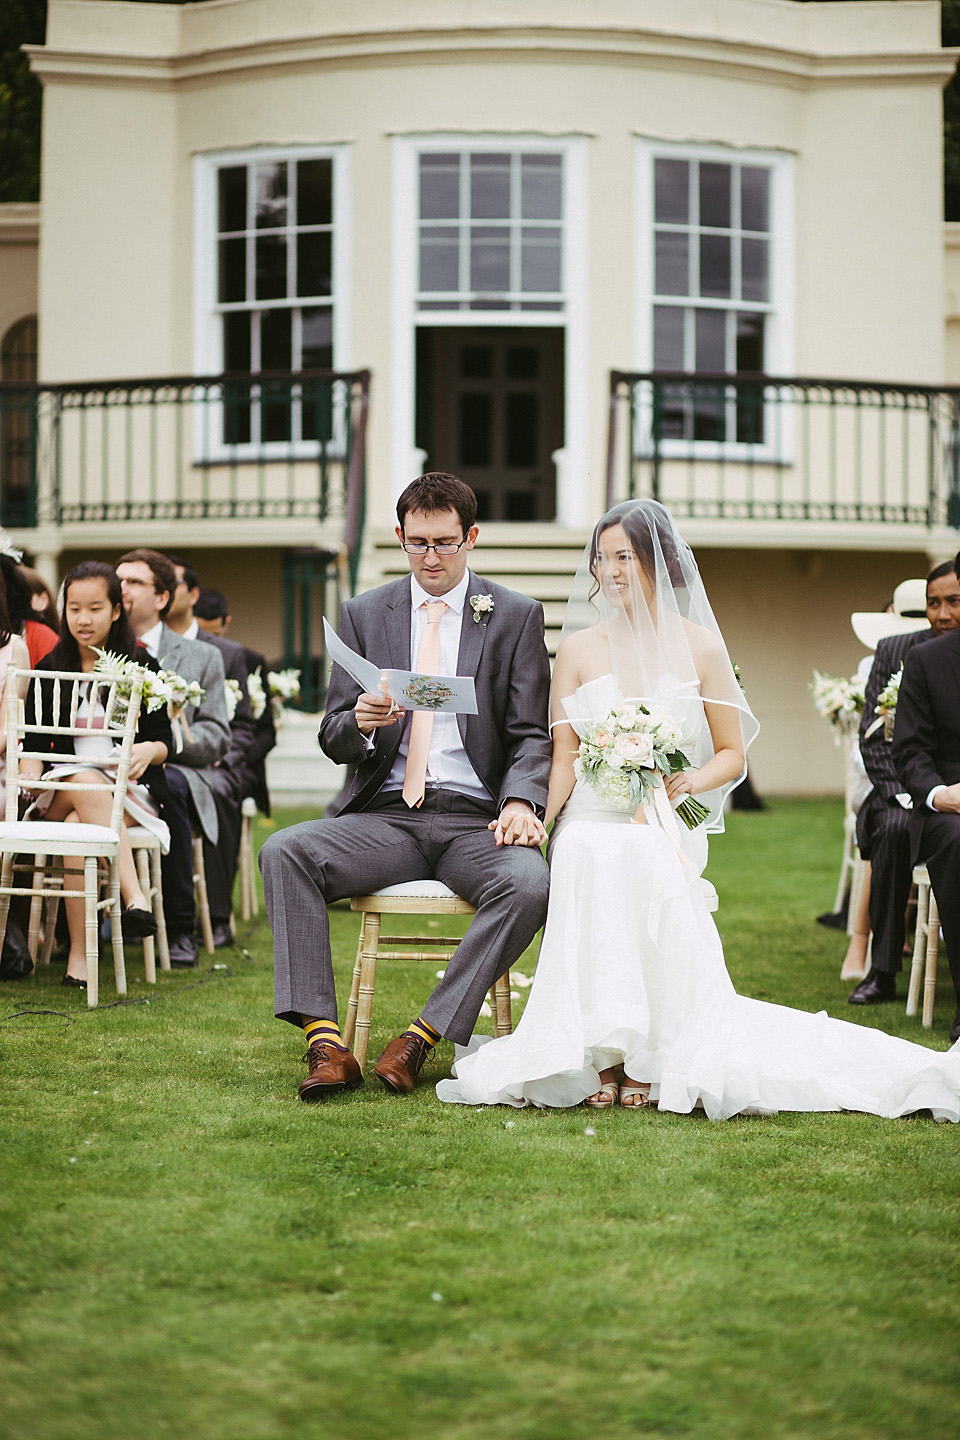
589,1130
440,974
436,1296
523,981
485,1009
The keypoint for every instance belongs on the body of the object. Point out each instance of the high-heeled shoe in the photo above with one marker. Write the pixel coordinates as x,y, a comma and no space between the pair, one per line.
136,923
74,982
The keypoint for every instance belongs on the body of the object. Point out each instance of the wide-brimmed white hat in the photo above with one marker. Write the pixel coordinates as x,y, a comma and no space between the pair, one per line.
909,614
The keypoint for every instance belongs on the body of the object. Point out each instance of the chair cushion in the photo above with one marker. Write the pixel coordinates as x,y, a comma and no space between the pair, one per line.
35,835
419,890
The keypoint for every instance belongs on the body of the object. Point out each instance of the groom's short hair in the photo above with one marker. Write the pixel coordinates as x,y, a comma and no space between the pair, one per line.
438,491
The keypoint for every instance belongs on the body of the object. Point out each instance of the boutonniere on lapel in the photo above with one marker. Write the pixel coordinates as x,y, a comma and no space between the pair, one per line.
480,605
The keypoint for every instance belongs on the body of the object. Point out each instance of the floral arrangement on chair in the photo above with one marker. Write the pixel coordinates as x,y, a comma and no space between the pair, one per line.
838,701
624,755
887,703
166,688
284,685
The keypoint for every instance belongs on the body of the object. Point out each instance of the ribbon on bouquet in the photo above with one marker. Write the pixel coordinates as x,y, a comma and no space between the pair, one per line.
658,811
178,723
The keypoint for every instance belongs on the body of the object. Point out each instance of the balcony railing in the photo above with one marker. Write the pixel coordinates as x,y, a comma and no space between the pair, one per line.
725,447
194,448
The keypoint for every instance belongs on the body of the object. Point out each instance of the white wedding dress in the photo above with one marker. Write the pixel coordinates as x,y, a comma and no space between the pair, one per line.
631,970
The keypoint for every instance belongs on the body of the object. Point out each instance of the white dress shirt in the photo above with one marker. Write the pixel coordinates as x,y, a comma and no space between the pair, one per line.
150,639
447,762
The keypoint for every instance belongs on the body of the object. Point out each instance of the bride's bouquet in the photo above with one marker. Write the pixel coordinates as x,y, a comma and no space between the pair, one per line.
839,701
624,756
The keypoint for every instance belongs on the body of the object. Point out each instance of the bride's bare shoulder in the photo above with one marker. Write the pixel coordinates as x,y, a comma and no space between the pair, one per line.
705,646
582,642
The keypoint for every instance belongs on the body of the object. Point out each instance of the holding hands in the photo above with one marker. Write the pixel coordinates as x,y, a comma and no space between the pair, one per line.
518,825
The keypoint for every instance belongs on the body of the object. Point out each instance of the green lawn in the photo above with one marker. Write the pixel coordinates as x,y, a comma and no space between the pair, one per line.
190,1252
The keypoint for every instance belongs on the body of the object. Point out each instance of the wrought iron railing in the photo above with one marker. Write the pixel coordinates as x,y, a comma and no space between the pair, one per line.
195,448
759,447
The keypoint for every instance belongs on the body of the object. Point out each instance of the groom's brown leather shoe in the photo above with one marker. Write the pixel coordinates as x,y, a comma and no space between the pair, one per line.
401,1063
331,1069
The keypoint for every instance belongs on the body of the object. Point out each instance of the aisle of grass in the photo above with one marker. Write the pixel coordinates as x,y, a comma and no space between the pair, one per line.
189,1252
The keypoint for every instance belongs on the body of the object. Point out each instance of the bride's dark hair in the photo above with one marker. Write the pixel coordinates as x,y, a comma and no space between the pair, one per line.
641,519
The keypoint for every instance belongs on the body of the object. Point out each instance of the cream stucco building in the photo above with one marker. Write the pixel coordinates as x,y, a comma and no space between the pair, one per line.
490,208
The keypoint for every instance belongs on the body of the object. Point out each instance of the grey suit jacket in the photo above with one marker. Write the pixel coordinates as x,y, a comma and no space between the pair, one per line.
208,722
507,742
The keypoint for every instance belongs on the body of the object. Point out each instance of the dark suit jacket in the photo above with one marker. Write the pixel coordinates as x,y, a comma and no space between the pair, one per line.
234,668
264,737
876,749
507,742
926,739
153,725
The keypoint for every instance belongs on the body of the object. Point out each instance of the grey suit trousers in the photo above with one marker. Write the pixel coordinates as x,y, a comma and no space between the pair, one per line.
308,865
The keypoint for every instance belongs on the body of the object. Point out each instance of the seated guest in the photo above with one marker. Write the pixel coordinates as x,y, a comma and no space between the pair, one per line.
227,779
15,962
39,637
94,619
917,614
148,582
212,613
43,602
926,755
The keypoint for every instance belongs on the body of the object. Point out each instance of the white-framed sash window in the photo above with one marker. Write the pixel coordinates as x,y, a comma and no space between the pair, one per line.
271,257
715,244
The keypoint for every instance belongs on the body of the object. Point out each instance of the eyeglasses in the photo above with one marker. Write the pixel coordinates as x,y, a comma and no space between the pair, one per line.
443,549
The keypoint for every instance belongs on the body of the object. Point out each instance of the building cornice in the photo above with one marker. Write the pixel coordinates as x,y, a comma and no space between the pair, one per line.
19,224
737,58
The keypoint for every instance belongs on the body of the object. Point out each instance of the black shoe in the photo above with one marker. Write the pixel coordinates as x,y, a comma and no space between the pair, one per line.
833,919
222,934
15,962
73,983
955,1028
877,989
136,923
183,951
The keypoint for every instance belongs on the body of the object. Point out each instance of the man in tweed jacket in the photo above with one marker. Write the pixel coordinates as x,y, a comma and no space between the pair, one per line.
479,826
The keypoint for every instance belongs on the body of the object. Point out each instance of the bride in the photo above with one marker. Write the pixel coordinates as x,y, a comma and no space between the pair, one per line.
631,978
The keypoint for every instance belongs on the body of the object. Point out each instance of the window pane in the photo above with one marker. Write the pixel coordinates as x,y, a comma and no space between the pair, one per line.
233,270
314,270
476,362
715,195
750,344
540,258
715,265
439,187
271,192
523,362
490,258
521,436
711,348
236,341
540,187
672,263
490,187
314,192
439,258
316,347
232,188
475,428
275,349
754,198
271,267
671,185
753,266
667,337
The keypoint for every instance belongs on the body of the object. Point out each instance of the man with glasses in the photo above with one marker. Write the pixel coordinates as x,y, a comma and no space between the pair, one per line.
456,798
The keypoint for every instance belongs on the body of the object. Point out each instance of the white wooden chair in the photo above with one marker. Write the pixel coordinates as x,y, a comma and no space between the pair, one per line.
146,852
91,843
203,902
926,948
416,897
249,898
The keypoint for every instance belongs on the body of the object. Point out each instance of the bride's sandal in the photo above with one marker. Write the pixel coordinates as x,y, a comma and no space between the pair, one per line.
634,1097
605,1098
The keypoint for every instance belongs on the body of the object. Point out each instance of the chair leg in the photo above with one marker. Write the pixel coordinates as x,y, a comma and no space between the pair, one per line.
156,881
116,928
920,935
246,879
36,907
370,940
6,880
500,1003
933,947
91,890
149,943
50,913
350,1025
203,904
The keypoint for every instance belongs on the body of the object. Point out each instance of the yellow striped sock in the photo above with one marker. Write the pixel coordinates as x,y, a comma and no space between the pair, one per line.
423,1031
326,1030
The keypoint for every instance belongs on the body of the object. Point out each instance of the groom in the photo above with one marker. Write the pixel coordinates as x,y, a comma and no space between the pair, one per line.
458,798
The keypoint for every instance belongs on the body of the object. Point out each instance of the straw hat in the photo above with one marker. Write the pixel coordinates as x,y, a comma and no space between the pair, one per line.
909,615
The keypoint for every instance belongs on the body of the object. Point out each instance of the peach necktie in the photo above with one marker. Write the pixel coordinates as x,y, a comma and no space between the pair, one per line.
421,725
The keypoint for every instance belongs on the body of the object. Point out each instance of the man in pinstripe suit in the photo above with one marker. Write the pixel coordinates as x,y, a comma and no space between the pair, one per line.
883,824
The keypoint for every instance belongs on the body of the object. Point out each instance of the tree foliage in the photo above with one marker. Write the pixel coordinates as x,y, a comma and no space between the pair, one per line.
22,22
